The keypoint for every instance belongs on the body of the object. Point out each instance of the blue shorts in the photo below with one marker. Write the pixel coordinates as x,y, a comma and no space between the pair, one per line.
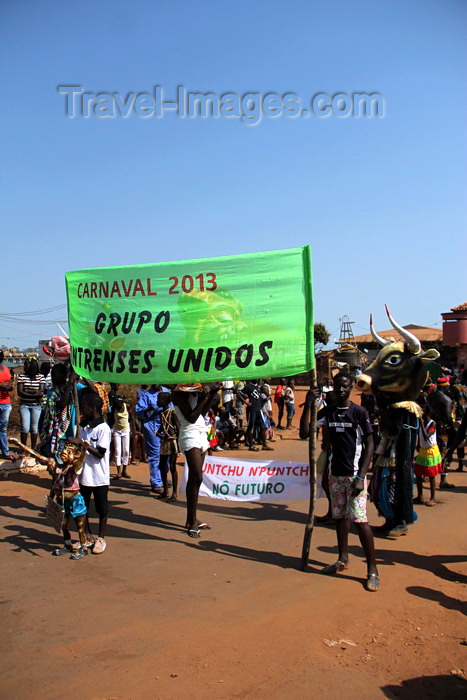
290,408
74,506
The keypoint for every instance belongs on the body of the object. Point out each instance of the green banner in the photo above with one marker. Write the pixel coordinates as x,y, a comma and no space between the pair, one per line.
235,317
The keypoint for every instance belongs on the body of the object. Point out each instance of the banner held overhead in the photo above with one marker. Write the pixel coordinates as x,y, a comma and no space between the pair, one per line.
234,317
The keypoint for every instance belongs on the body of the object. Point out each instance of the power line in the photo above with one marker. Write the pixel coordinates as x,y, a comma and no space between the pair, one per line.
51,309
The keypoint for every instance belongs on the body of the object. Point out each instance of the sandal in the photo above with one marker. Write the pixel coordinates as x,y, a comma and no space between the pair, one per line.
372,583
332,569
200,526
9,458
253,448
79,554
193,533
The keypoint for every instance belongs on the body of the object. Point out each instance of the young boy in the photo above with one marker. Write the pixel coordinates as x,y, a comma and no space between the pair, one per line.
66,487
168,434
95,476
350,438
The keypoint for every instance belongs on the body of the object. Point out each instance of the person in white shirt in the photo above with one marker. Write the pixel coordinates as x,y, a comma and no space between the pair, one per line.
94,479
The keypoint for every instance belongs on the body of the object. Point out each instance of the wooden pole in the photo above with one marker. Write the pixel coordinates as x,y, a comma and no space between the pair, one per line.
312,460
76,403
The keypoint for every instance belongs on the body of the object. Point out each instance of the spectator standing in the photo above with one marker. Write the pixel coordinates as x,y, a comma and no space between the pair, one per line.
121,436
31,389
227,396
289,401
6,386
279,400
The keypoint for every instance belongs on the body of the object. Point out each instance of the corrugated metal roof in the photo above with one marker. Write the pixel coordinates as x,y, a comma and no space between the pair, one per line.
423,333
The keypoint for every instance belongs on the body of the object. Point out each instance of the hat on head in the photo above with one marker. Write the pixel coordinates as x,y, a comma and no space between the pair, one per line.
443,381
189,387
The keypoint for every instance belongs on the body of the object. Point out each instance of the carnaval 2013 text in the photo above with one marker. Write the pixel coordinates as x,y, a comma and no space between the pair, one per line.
137,361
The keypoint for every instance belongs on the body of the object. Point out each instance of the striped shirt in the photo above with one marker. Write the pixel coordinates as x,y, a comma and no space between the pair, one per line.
29,384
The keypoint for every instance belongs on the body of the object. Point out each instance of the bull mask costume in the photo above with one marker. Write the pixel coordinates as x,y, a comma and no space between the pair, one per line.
396,378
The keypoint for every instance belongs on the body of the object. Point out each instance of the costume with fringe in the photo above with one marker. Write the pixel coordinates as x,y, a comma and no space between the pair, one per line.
428,462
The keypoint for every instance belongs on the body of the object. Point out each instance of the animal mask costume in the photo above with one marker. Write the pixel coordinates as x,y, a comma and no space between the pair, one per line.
396,377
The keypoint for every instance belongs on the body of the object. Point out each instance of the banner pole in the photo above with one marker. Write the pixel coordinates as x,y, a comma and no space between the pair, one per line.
76,402
312,460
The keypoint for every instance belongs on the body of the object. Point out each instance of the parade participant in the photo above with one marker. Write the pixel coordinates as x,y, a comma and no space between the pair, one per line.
6,385
168,434
191,403
428,461
315,395
458,439
396,378
441,406
252,392
350,437
57,413
459,393
95,476
148,411
67,491
138,449
121,436
211,424
31,389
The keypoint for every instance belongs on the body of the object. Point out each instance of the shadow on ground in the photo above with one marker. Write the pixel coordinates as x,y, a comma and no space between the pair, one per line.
426,687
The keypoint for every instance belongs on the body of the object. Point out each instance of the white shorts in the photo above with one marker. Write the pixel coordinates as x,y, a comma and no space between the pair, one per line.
193,438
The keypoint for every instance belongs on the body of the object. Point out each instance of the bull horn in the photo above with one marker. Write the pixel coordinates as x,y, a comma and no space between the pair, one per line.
377,337
413,343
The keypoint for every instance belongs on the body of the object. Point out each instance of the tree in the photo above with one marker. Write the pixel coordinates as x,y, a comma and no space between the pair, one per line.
322,336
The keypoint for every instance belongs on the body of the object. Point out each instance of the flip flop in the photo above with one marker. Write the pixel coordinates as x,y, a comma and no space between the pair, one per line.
193,533
372,583
332,569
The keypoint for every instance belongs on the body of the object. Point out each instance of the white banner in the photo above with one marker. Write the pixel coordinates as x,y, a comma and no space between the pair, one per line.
255,480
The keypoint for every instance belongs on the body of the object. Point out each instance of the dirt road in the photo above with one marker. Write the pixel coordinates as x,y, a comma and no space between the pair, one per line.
162,616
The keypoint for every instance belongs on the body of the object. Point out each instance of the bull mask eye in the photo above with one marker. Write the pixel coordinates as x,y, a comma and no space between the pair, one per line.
393,360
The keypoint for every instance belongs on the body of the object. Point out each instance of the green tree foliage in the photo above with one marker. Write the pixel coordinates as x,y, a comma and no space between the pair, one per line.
322,336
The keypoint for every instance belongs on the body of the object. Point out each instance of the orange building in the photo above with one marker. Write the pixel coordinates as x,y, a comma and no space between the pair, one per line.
455,331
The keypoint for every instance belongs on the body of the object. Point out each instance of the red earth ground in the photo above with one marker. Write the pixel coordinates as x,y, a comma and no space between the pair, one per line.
162,616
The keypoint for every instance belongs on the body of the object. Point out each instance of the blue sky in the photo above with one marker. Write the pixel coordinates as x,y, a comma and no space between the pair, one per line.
381,201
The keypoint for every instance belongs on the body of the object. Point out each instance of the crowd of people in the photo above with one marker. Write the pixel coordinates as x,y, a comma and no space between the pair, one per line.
69,417
352,442
82,426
